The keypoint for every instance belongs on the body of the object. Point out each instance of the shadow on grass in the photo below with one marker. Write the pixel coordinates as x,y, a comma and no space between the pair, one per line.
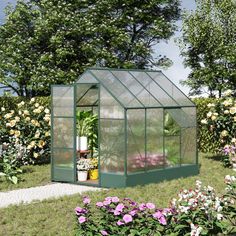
214,157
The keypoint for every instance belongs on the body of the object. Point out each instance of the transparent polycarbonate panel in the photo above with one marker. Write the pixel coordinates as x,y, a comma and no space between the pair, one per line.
87,78
63,157
118,90
171,89
191,112
188,146
63,133
154,89
155,155
109,107
112,146
136,88
172,150
171,125
136,140
63,101
87,95
182,118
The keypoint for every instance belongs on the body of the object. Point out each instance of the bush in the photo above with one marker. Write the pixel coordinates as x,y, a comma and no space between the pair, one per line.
196,212
206,140
25,132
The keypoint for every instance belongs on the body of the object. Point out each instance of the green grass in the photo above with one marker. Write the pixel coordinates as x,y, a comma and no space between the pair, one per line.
31,176
56,217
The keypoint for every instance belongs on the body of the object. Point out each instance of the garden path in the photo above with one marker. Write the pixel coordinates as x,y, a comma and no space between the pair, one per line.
40,193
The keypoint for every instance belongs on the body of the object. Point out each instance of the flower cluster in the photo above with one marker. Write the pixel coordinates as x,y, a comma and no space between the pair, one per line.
27,128
221,120
196,212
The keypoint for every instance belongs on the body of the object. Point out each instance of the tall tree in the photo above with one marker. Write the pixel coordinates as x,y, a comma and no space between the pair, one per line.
209,46
47,42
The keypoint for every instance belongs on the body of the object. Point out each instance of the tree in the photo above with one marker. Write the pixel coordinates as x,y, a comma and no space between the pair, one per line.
209,46
47,42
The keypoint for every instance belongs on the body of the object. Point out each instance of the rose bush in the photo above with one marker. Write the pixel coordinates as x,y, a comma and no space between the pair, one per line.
221,121
198,211
25,133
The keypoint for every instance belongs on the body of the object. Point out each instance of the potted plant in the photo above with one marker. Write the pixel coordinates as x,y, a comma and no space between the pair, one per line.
86,129
82,169
93,171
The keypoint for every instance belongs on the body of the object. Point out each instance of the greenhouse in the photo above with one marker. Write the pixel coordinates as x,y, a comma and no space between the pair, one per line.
118,128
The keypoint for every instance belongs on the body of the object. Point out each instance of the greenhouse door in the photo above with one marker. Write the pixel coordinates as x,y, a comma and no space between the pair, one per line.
63,133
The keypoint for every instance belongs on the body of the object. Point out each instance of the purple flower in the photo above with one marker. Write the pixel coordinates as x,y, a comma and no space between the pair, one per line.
99,204
108,198
120,207
127,218
161,218
119,222
106,202
86,200
82,219
115,199
142,206
150,205
79,211
104,232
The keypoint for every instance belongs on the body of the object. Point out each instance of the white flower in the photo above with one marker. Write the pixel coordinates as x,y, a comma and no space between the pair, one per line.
46,111
226,111
32,100
21,104
219,216
17,118
209,114
232,110
233,140
36,105
224,133
227,92
35,155
8,115
204,121
26,112
210,105
3,109
213,117
228,102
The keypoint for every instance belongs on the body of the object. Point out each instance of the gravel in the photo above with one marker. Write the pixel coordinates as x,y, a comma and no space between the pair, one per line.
40,193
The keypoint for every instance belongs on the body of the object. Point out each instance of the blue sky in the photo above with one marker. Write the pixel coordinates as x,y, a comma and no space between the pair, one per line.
176,72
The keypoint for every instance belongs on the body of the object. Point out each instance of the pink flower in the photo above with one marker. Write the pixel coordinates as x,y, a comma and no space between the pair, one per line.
108,198
86,200
104,232
106,202
157,215
120,222
133,212
162,220
82,219
79,211
99,204
142,206
115,199
120,207
150,205
127,218
116,213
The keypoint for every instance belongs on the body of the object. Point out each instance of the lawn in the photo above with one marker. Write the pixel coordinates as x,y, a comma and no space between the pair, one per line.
31,176
56,217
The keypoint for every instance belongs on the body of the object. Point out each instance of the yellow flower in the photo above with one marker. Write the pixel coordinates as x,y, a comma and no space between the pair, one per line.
32,143
17,118
36,155
227,92
46,117
37,124
8,115
234,118
224,133
12,132
213,118
36,105
232,110
27,118
204,121
29,147
17,133
228,102
47,134
21,104
33,122
41,108
36,111
41,144
210,105
233,140
26,112
12,123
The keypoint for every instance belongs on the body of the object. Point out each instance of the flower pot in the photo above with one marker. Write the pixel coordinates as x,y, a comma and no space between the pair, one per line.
93,174
77,143
234,166
82,175
83,143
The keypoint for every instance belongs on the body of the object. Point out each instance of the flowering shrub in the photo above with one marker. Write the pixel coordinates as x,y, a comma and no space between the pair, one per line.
196,212
27,131
221,120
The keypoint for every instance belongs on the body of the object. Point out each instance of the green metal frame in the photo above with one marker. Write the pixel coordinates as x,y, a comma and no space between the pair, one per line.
131,178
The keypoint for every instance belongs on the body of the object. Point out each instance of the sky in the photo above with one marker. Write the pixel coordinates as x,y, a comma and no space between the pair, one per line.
177,71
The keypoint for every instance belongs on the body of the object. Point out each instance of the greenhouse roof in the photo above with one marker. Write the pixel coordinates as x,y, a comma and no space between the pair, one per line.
137,88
